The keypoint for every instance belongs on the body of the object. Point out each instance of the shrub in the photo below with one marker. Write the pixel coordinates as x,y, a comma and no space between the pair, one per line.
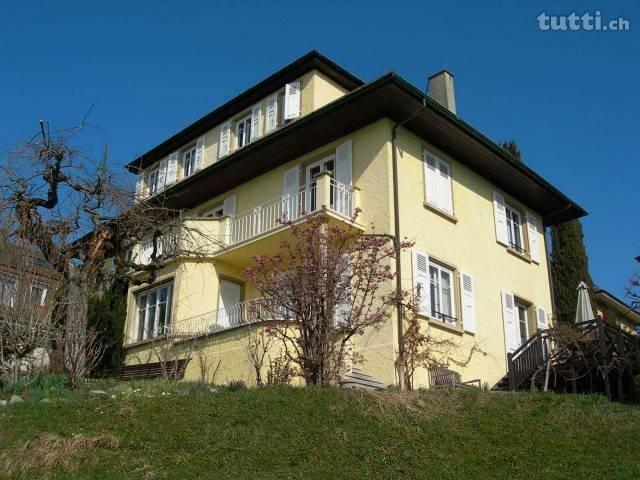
235,385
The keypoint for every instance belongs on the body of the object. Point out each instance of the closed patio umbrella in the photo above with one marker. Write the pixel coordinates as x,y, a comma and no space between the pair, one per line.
584,311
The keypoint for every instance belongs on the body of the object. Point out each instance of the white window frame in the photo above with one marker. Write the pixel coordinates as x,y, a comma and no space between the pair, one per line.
521,306
189,159
246,132
142,332
10,282
311,181
43,294
153,181
511,229
437,288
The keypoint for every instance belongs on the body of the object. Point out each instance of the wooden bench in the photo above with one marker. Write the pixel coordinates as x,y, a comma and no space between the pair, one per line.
173,370
442,376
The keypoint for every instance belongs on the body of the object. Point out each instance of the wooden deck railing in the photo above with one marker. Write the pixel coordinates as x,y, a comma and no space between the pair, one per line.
610,344
527,358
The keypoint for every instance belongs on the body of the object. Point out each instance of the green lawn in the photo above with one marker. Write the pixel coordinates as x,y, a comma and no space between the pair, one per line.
185,431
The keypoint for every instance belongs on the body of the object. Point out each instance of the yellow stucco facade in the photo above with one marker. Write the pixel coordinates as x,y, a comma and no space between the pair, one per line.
463,241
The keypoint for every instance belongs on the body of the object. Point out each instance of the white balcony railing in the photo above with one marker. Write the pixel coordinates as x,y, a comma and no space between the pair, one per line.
238,314
336,196
207,236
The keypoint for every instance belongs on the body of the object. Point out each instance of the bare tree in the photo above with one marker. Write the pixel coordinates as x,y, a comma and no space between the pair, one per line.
204,366
170,355
424,349
29,309
85,222
327,284
260,344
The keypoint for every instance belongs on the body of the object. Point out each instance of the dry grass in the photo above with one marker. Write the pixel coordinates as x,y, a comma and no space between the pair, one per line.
48,450
417,405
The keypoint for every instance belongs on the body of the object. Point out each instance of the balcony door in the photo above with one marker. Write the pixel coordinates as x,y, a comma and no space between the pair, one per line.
313,171
228,304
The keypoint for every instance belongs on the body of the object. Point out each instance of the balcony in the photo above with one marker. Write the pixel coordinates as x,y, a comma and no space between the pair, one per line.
226,235
236,315
338,198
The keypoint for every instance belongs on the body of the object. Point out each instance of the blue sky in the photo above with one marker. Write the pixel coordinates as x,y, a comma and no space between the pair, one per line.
570,99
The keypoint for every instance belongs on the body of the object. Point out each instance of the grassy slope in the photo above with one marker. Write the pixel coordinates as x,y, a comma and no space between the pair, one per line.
330,433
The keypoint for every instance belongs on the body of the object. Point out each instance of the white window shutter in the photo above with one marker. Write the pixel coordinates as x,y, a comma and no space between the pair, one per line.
172,167
468,302
444,188
541,317
199,153
255,121
431,182
292,100
223,145
344,162
162,174
271,117
229,206
534,249
500,214
290,197
421,281
140,186
509,316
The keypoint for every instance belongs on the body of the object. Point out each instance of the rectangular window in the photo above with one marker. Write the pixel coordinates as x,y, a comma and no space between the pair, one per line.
8,285
189,162
154,312
437,179
523,321
38,294
442,293
514,229
243,131
153,181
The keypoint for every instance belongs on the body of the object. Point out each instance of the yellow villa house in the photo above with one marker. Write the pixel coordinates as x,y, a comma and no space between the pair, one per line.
313,134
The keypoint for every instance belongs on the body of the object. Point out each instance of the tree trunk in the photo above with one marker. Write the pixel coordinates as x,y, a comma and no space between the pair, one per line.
75,328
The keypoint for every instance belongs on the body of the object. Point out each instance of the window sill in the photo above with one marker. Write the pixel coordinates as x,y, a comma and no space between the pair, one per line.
444,214
145,342
516,253
442,325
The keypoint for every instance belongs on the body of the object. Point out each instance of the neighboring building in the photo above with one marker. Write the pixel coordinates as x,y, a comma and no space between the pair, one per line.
314,134
25,277
613,310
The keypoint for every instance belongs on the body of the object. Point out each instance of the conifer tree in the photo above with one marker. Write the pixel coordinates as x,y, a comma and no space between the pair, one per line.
569,266
512,147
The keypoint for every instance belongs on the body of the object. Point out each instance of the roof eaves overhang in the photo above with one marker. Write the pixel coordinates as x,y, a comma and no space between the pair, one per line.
313,60
388,96
613,301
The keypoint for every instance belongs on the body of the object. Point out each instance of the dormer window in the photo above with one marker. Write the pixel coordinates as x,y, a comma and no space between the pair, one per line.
154,181
189,162
243,131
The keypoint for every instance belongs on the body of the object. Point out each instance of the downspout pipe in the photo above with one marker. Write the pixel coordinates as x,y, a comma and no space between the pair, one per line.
396,240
